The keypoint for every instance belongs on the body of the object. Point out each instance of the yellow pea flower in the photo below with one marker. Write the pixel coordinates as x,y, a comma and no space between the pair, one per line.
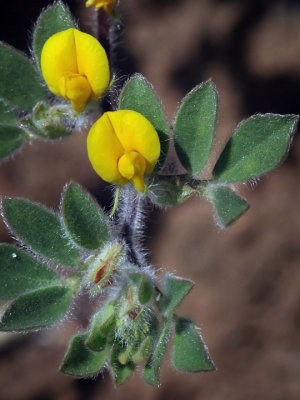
75,67
122,147
107,5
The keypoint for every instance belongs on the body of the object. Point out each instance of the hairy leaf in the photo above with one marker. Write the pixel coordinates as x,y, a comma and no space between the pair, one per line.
85,221
20,83
229,206
175,290
101,325
36,309
152,369
11,138
40,229
144,286
80,361
7,113
146,291
189,351
21,273
54,19
194,127
257,146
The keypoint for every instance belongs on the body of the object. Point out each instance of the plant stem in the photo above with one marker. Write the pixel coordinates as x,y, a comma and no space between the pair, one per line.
130,222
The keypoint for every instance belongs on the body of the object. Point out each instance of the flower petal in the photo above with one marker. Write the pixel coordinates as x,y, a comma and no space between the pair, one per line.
92,62
76,88
104,150
136,133
58,57
107,5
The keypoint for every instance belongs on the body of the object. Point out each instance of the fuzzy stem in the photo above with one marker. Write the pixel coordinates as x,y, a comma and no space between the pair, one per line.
130,219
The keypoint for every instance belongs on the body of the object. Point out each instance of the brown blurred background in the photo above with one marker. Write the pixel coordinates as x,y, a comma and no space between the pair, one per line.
247,297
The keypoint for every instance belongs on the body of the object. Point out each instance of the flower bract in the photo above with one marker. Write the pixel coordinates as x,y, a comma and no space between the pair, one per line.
107,5
122,147
75,66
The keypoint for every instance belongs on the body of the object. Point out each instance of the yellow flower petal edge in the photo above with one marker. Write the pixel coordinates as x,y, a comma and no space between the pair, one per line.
123,146
75,66
107,5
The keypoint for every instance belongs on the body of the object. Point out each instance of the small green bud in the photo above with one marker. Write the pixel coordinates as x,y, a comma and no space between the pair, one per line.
52,122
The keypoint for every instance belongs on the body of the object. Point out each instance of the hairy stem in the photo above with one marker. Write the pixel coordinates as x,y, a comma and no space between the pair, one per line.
130,223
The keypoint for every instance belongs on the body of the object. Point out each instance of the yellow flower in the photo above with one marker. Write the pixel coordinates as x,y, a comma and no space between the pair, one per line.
75,67
123,146
107,5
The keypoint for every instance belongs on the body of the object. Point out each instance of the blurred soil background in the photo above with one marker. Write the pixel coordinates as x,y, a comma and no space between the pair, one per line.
247,294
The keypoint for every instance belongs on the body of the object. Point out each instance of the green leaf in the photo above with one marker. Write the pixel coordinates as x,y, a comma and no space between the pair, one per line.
21,273
7,114
20,83
194,127
101,325
138,95
11,138
85,221
39,308
144,286
80,361
229,206
146,291
152,368
257,146
55,18
189,351
40,229
120,371
175,290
